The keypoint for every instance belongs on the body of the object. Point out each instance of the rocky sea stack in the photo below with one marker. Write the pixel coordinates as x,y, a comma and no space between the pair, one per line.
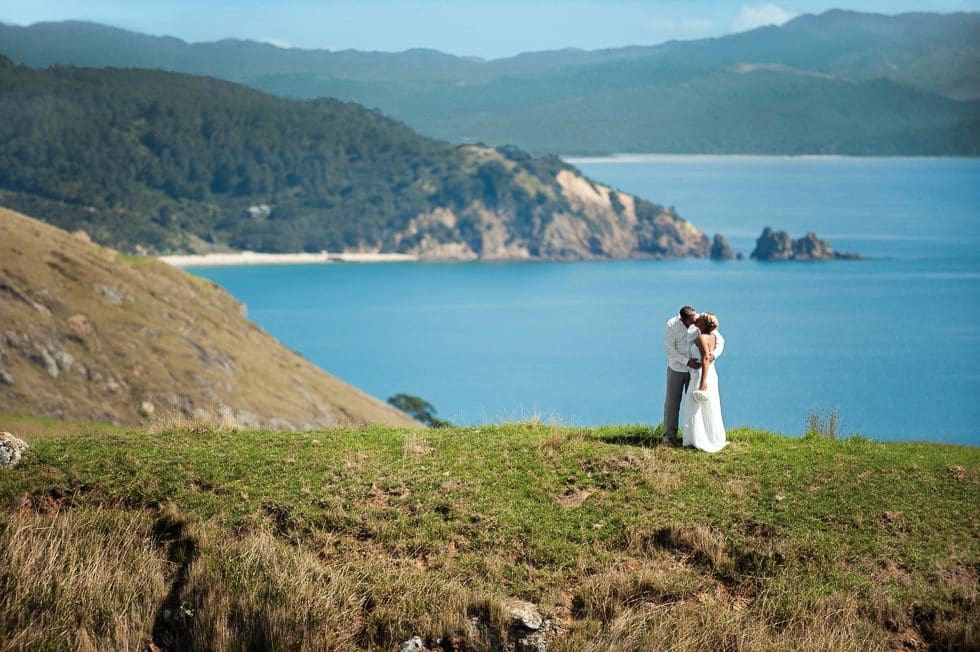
778,245
720,249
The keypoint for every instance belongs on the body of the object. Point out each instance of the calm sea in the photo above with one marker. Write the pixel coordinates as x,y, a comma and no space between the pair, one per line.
891,344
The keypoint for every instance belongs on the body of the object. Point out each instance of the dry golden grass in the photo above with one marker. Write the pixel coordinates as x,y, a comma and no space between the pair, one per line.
827,426
79,580
711,623
415,445
98,579
121,331
220,418
553,441
702,543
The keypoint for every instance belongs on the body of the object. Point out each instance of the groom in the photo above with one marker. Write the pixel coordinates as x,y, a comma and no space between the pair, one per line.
679,335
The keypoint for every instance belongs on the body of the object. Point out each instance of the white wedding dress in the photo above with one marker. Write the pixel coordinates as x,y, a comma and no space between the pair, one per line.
703,427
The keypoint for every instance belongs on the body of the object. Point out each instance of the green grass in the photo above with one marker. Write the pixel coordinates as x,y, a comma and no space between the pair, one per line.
134,259
781,529
33,426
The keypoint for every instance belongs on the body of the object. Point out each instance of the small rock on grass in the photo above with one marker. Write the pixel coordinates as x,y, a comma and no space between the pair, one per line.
11,449
523,613
414,644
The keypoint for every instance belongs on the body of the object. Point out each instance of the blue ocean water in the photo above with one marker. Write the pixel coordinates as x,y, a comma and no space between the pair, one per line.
890,343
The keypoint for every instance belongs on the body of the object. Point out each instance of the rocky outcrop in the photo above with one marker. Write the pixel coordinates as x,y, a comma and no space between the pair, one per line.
519,627
778,245
560,215
88,334
11,450
720,249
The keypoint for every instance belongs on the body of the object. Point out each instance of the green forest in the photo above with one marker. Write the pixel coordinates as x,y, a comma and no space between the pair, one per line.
175,162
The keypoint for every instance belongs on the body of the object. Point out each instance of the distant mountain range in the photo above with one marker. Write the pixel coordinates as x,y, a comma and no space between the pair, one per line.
166,161
838,83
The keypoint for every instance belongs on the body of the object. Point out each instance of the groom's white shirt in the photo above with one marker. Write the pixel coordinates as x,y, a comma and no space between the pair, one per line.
677,343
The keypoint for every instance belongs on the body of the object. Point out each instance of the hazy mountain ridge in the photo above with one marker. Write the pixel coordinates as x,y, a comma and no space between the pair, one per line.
850,44
177,162
91,334
640,98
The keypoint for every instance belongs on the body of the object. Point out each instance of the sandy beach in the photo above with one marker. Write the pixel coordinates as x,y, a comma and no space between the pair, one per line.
254,258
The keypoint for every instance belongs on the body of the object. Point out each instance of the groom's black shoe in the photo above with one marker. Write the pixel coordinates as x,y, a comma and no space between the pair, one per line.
669,441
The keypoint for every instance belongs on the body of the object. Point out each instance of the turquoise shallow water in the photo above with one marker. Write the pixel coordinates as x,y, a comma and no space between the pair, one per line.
891,343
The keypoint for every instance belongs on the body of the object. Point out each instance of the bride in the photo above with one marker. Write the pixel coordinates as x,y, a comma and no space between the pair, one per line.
703,427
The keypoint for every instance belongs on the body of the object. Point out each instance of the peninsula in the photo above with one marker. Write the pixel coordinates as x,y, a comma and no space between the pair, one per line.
163,163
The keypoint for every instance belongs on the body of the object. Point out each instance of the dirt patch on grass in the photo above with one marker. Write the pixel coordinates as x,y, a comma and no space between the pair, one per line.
416,446
574,497
961,575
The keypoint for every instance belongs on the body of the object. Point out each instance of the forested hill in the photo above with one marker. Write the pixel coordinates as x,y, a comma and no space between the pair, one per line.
177,162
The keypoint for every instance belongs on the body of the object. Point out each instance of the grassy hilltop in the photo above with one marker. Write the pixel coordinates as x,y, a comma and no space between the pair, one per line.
206,538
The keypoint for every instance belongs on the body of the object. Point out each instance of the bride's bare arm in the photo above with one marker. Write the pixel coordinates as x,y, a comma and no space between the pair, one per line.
704,345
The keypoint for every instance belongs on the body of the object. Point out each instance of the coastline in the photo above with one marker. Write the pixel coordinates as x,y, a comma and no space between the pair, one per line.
651,157
238,258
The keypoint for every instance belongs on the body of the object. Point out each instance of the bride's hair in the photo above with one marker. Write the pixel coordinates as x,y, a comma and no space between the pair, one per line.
709,321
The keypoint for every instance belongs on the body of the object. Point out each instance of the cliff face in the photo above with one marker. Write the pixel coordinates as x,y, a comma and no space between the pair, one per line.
572,218
88,333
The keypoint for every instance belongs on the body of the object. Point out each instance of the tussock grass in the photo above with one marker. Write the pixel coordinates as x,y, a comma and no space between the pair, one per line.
79,579
221,539
200,421
415,445
823,426
713,623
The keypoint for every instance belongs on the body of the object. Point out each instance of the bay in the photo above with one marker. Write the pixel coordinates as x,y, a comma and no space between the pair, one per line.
890,343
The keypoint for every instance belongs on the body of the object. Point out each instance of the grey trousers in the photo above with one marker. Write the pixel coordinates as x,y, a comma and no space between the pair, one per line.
677,383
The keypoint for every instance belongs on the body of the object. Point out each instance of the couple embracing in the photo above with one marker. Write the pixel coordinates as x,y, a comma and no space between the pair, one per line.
693,343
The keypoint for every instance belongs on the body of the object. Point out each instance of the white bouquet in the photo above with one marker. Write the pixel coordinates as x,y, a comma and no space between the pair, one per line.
700,396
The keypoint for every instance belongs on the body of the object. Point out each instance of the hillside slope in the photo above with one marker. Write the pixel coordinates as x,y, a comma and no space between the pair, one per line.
175,162
87,333
521,536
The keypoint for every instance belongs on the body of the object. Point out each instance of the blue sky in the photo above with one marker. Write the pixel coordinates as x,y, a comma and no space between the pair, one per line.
487,28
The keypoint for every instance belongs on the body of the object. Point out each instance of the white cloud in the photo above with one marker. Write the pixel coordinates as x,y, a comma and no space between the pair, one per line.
759,15
278,42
